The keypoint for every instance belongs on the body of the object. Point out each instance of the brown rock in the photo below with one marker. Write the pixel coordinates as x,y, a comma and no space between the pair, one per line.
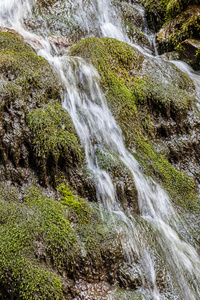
190,48
61,42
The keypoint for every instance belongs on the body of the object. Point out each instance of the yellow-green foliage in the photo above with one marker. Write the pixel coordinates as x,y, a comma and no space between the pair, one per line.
38,243
185,26
11,42
18,62
95,235
128,97
32,232
75,204
180,187
53,133
175,7
170,97
155,12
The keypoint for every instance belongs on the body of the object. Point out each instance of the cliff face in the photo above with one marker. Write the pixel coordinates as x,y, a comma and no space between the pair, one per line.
53,243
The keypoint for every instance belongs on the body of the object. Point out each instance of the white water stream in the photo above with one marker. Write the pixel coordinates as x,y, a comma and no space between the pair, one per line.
96,127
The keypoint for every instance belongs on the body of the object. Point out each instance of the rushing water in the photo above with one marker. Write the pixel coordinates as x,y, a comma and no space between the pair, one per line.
97,128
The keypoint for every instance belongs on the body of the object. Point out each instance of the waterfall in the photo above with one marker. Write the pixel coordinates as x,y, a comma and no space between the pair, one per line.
97,128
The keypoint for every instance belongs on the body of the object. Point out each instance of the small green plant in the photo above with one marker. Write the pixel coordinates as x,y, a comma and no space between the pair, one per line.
76,205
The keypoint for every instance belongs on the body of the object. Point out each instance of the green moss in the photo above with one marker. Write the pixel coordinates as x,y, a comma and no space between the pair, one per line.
32,73
77,206
155,13
180,187
11,42
114,61
95,234
185,26
32,232
180,20
175,7
137,100
54,133
164,96
161,11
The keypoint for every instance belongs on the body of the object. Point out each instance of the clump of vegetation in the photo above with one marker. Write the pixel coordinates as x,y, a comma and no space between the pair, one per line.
32,73
155,13
53,132
92,231
35,238
163,11
78,208
43,243
54,137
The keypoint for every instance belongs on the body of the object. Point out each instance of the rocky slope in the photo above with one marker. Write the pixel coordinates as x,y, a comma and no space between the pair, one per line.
53,243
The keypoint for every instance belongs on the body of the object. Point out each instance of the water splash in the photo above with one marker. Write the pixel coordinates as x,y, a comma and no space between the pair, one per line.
13,13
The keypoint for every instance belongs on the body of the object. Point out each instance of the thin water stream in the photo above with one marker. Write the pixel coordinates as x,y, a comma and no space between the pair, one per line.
97,128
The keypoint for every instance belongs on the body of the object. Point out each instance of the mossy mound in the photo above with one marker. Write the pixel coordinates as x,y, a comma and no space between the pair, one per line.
54,140
31,73
27,82
37,137
48,247
148,104
35,235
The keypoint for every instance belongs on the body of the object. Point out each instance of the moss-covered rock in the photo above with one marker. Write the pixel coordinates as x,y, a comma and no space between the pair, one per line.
27,82
179,33
37,136
150,106
50,249
155,13
180,21
160,11
54,140
35,235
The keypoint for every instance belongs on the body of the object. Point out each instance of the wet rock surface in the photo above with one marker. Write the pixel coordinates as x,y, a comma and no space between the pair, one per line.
27,82
152,101
178,26
53,244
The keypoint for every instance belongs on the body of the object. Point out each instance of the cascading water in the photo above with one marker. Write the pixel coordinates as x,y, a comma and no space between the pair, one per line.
97,128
